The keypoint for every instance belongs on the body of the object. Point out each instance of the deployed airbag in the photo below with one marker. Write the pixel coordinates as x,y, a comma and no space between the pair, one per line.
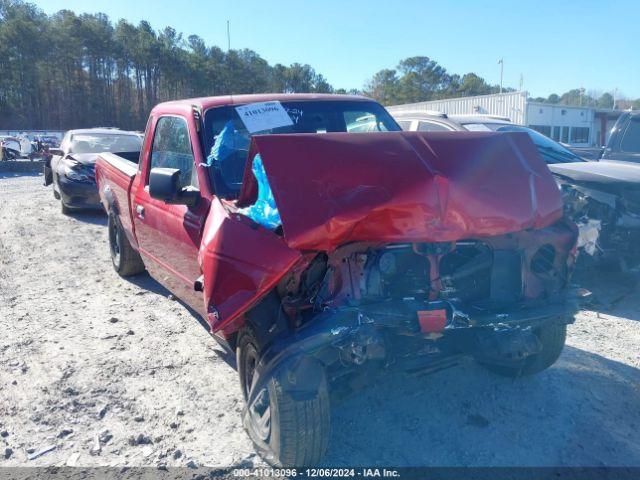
264,210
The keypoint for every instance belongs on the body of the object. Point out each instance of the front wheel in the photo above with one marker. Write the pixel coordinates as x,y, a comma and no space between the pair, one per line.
287,428
63,207
552,337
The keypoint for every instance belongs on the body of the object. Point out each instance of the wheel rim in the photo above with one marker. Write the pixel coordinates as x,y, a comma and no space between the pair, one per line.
260,407
114,242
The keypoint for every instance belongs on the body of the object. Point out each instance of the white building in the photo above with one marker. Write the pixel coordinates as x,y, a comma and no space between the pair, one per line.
578,126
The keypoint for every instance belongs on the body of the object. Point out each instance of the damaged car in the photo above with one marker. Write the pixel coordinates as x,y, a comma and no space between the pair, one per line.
325,257
70,167
604,200
601,197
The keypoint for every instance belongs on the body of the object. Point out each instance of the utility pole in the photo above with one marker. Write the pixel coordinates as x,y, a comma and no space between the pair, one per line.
501,62
581,94
228,37
615,92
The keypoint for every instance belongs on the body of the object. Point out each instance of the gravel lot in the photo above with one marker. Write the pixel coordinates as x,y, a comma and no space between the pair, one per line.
105,371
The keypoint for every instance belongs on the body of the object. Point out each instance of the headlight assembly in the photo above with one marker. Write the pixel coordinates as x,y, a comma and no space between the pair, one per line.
72,170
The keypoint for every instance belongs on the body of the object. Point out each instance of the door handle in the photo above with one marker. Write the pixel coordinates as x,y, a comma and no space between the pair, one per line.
140,211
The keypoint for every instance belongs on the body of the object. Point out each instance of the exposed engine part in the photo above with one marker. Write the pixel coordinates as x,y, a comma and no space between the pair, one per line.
493,271
607,227
588,235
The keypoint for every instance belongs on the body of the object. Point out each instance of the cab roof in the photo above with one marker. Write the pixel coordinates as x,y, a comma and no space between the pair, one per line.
205,103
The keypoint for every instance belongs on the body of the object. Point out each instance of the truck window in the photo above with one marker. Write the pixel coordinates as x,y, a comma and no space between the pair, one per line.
356,121
172,148
631,140
424,126
224,126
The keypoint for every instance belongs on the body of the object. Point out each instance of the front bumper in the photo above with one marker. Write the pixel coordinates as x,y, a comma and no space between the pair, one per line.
390,331
79,194
389,337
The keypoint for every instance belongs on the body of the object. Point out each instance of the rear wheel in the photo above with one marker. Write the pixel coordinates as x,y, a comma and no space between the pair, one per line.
288,429
552,337
126,261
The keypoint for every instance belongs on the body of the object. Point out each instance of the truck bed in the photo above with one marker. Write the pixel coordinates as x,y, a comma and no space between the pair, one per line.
114,177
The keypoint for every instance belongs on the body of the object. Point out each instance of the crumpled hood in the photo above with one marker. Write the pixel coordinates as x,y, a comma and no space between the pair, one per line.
335,188
608,175
87,159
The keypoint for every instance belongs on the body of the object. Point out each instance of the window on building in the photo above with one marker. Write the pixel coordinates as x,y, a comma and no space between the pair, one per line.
556,134
580,135
543,129
631,140
564,138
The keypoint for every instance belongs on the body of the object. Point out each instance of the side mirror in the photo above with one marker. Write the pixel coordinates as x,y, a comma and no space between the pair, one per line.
57,152
164,184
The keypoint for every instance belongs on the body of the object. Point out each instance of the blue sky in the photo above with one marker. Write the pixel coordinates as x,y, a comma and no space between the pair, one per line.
554,45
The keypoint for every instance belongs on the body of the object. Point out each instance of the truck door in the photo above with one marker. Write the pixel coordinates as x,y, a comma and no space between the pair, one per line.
169,235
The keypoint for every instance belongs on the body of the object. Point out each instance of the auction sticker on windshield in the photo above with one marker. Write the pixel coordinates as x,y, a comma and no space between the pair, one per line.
263,116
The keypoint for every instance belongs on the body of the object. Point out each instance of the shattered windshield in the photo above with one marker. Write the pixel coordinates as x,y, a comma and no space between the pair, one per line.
104,142
227,136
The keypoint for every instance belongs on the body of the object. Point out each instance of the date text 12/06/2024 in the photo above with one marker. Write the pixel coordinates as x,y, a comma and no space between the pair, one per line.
317,473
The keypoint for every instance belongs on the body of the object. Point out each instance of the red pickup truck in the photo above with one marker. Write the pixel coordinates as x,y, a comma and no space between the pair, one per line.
325,246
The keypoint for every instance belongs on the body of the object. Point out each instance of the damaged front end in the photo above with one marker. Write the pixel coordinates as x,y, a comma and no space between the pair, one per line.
366,309
603,199
399,252
365,301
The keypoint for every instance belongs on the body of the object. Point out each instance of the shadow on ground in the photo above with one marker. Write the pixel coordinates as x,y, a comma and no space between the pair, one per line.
571,414
95,217
146,282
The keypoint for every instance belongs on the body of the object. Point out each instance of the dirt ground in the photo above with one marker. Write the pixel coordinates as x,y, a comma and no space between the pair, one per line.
96,370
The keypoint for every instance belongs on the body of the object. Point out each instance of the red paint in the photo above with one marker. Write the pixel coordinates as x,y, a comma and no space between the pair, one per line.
336,188
330,189
432,321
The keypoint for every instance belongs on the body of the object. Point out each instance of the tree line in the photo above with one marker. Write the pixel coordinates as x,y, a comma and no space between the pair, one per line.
580,97
66,70
419,79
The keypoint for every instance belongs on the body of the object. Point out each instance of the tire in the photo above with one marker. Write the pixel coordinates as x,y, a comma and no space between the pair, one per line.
298,431
552,337
63,207
56,193
126,261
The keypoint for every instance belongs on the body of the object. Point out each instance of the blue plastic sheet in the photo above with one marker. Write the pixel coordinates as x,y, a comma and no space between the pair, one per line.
264,211
227,158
